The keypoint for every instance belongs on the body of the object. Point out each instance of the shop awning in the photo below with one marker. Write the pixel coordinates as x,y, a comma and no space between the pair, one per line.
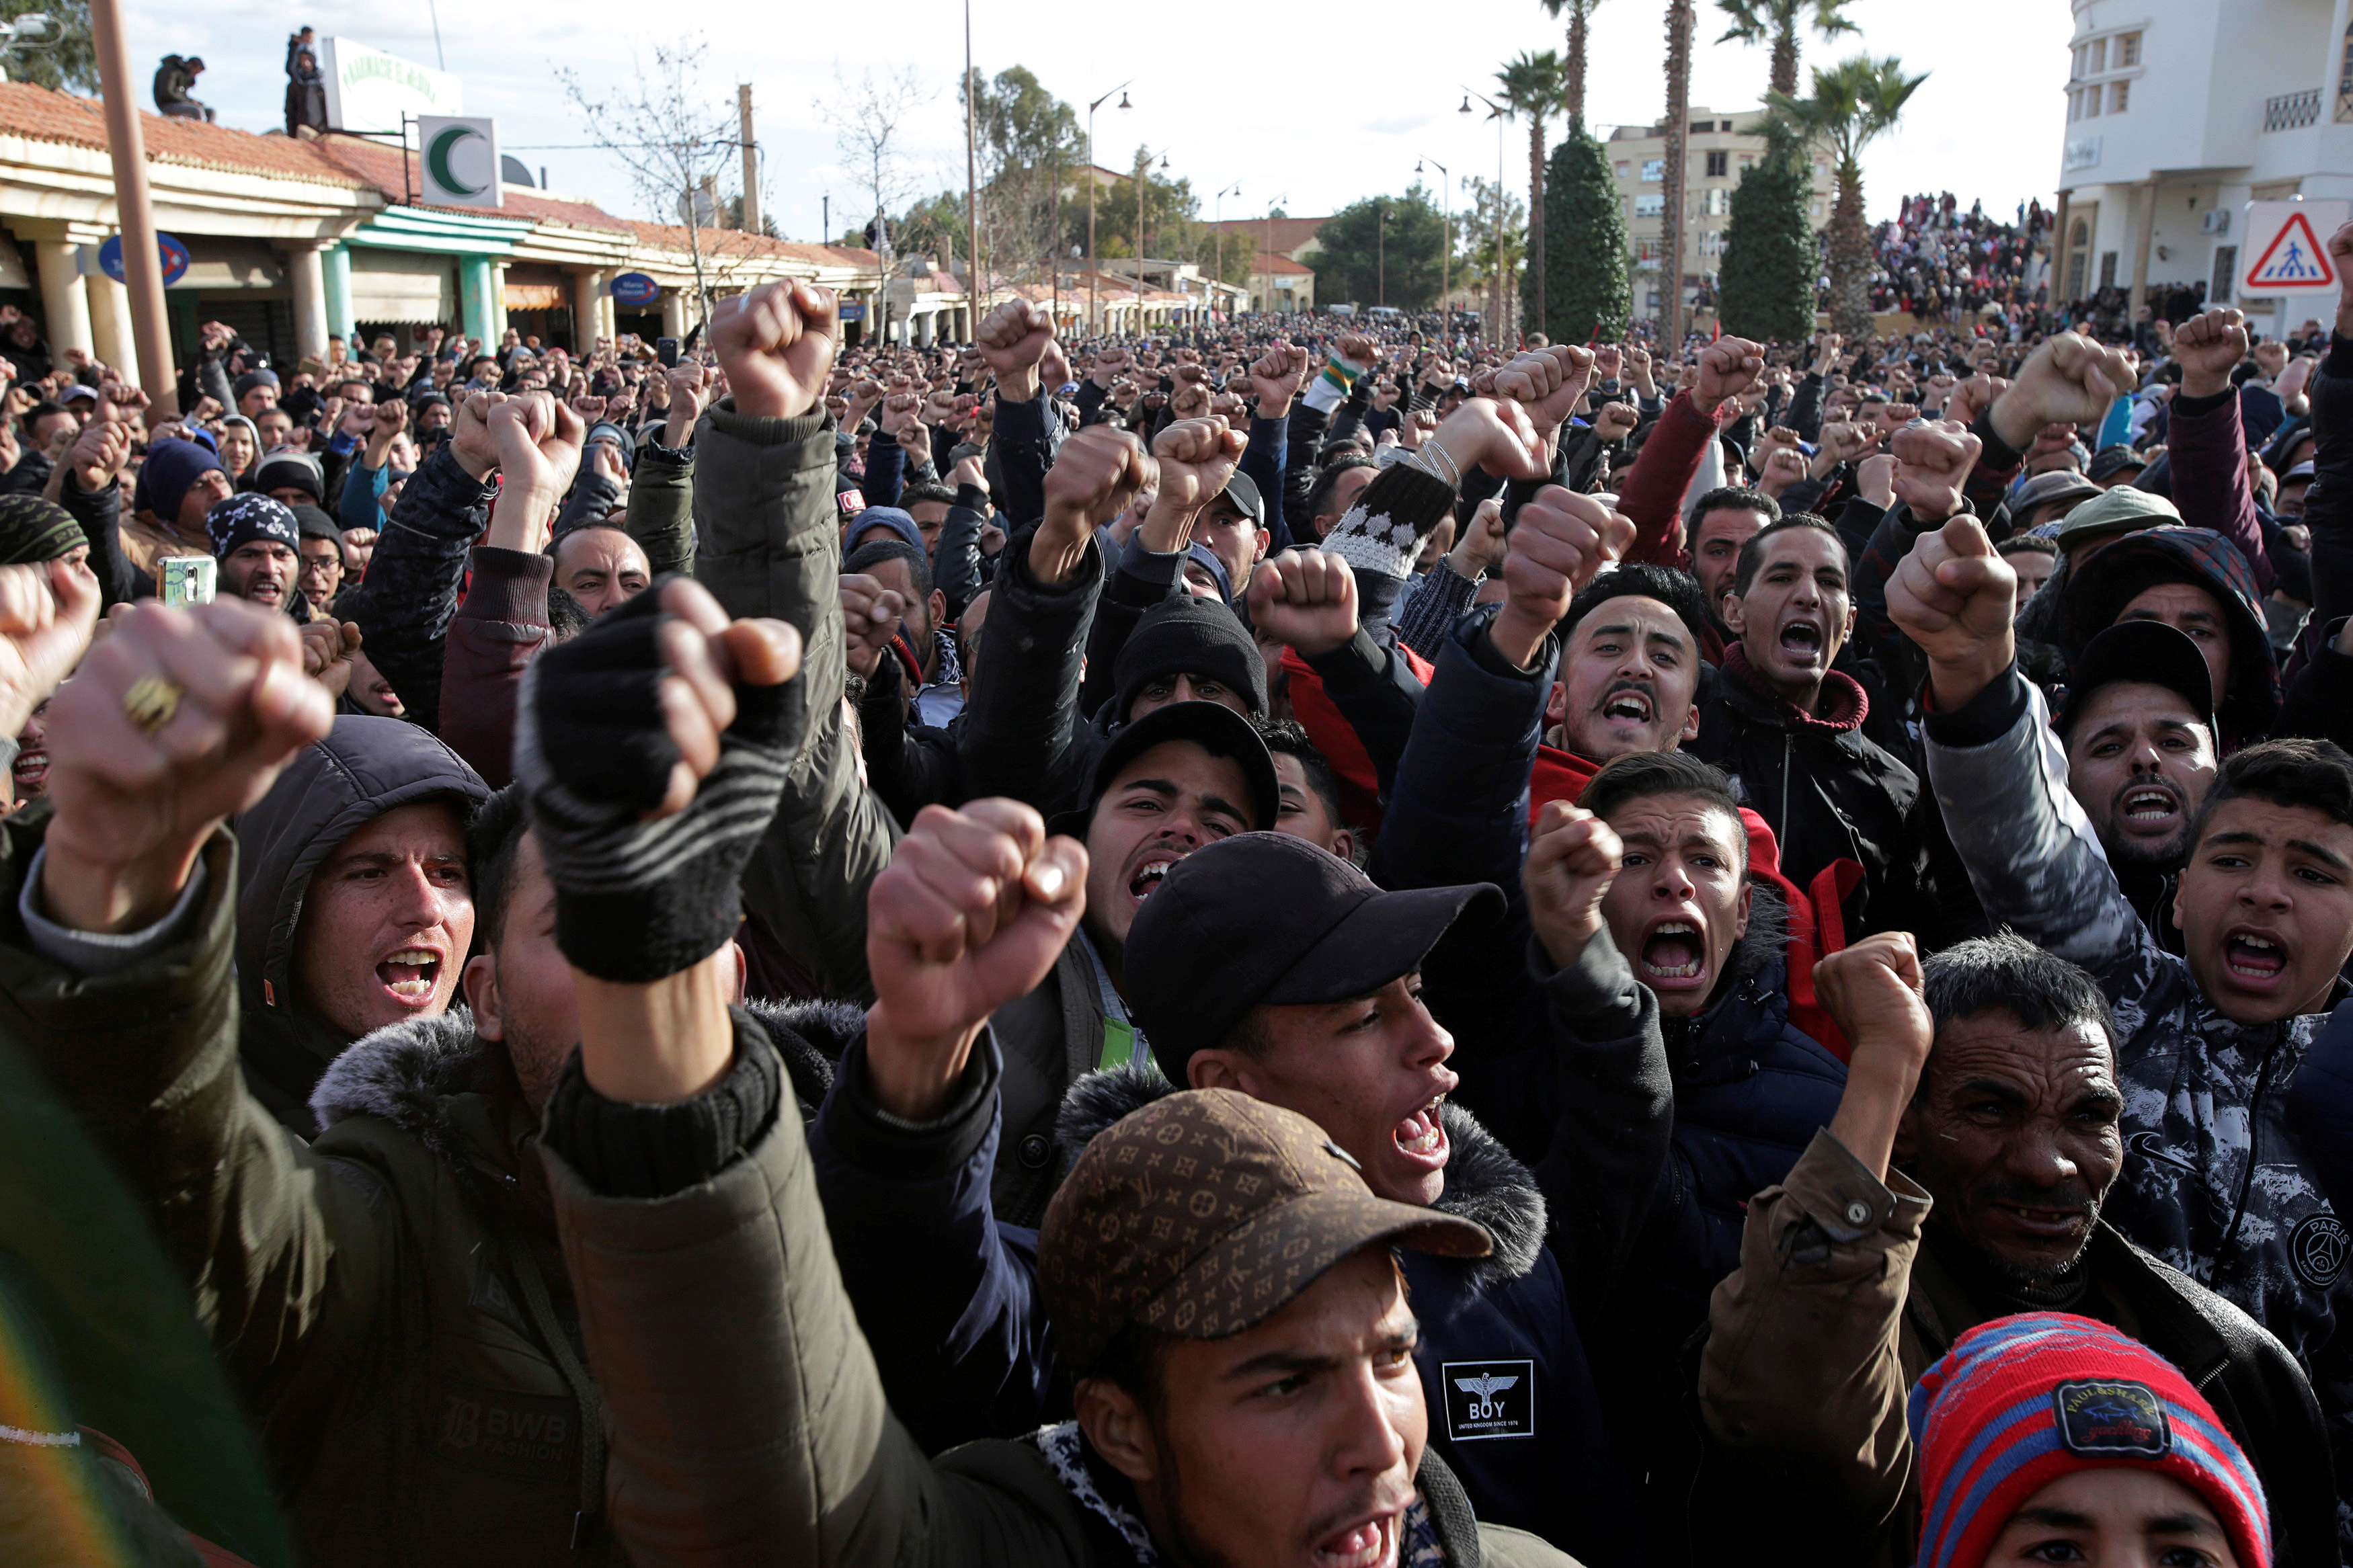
411,286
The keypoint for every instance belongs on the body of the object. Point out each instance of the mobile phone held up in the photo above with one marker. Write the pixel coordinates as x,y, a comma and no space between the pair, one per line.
665,351
187,579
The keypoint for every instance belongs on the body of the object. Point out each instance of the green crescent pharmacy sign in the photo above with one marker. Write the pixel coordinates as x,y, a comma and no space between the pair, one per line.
460,162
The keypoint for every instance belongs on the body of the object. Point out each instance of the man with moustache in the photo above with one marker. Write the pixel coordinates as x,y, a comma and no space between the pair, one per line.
2141,751
1963,1179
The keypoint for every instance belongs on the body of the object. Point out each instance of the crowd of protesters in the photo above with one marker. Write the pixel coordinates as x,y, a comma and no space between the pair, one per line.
1283,943
1940,264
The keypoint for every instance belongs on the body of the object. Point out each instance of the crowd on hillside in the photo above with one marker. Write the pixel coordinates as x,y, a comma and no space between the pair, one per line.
1941,264
1299,941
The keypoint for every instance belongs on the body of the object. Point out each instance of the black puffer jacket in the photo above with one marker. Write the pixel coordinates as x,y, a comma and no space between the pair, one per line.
1829,793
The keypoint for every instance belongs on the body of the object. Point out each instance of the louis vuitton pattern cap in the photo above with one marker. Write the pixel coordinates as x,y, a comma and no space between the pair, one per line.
1205,1212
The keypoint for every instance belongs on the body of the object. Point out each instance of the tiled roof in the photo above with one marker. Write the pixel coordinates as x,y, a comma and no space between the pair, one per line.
830,255
378,166
44,114
1270,262
1282,234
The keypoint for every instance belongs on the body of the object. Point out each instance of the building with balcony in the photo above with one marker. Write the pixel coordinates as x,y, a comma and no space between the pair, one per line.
2179,112
1721,144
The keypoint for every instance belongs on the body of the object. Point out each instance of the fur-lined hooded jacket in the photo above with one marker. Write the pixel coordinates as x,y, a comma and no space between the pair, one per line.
389,1301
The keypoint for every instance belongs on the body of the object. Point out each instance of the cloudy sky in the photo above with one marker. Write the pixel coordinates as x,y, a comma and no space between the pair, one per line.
1307,111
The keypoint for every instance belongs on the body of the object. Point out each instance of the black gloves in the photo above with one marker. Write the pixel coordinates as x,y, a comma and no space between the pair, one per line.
639,899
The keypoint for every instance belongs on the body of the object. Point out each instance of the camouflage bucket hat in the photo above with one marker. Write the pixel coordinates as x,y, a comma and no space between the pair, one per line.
1208,1212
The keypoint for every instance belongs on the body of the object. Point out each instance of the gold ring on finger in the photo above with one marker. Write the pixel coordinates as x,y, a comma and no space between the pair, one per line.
151,700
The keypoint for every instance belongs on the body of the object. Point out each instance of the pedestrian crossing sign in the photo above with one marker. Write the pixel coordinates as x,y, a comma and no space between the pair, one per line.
2286,241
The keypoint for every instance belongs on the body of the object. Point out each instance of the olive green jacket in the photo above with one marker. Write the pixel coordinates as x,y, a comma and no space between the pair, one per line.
389,1302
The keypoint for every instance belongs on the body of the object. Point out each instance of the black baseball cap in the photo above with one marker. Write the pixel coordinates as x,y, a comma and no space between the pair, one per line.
1242,491
1266,918
1215,727
2143,653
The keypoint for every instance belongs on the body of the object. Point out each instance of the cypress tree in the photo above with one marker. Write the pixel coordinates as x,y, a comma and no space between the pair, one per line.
1772,260
1587,296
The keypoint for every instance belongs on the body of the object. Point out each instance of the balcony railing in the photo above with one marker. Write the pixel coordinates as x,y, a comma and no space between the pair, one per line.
2292,110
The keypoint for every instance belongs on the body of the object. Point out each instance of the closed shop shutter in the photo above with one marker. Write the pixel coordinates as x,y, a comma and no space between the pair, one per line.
403,286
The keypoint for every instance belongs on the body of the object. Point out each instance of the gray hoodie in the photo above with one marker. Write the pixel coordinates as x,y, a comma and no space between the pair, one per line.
366,766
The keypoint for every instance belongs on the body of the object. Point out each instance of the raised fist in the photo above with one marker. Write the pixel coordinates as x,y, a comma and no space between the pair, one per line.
1305,599
1727,367
1098,471
871,614
2070,380
1013,339
1932,465
1192,397
2209,347
775,344
1275,378
1955,597
469,433
136,797
1558,543
972,911
1197,457
1874,991
1548,383
1573,858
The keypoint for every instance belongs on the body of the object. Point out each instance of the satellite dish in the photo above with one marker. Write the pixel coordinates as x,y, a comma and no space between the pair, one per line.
513,169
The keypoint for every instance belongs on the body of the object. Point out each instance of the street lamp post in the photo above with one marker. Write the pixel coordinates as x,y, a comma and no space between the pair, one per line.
1499,114
1446,257
1217,221
1093,264
1142,178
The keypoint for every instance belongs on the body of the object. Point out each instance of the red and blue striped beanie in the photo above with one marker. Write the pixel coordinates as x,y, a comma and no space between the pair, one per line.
2020,1401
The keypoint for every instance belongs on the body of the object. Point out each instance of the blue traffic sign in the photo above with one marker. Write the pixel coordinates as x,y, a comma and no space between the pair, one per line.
635,290
173,254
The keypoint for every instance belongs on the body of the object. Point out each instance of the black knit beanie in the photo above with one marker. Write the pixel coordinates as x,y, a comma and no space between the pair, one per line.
1186,636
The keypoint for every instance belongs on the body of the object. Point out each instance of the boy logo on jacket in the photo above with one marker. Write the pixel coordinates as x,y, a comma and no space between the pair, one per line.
1490,1399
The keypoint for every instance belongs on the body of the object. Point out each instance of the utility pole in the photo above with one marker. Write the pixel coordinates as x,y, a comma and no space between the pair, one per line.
751,160
143,263
1381,252
973,294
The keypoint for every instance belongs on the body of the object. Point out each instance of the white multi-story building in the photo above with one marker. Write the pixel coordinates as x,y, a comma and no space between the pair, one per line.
2179,112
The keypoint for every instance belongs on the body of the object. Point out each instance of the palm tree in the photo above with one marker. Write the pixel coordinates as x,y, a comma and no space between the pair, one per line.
1531,85
1580,15
1776,22
1683,20
1853,104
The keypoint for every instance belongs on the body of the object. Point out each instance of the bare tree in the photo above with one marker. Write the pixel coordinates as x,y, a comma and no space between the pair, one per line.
671,131
867,115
